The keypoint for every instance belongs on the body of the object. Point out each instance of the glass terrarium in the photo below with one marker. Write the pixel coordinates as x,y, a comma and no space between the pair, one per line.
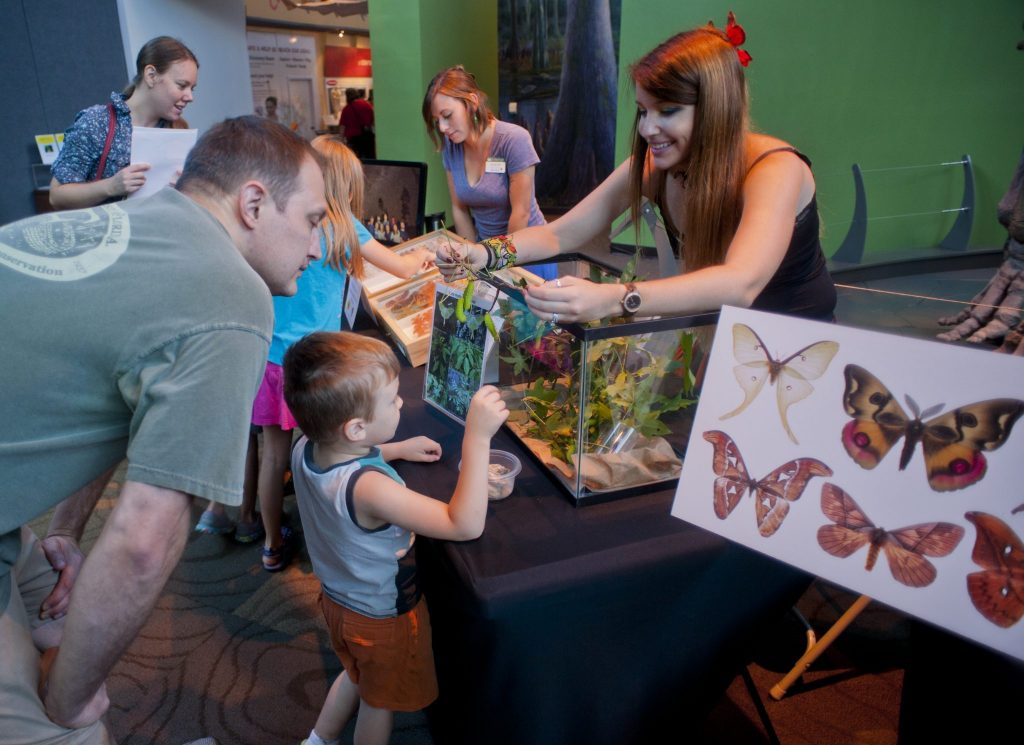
606,407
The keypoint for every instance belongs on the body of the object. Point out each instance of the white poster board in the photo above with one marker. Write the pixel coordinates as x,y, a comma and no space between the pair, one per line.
796,452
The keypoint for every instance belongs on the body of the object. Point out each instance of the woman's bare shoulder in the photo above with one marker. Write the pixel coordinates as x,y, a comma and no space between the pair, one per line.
769,172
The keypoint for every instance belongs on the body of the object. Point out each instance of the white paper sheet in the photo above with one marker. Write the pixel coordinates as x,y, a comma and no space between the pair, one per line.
165,150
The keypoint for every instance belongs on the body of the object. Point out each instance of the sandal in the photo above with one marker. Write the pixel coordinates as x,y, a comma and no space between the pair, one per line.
249,532
276,559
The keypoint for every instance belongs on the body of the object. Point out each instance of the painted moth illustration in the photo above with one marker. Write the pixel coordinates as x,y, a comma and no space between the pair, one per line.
790,376
905,549
952,442
998,590
772,494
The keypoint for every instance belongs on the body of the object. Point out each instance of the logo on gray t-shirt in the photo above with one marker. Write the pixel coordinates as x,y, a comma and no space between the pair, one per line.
66,246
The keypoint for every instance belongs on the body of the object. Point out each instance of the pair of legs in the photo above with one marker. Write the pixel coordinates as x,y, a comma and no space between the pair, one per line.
269,485
264,476
373,725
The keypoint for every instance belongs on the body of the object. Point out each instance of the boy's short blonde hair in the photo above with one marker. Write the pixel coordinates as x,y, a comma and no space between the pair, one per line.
332,377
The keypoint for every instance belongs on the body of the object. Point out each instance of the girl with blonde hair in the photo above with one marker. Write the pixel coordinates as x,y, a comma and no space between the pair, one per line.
740,206
316,306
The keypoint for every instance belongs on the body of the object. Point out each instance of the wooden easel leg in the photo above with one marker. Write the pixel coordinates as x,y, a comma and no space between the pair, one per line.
815,651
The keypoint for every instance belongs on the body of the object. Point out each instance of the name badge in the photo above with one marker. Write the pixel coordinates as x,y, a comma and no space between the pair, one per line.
353,293
494,165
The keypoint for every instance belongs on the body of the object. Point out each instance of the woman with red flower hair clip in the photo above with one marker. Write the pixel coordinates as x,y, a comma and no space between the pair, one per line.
738,205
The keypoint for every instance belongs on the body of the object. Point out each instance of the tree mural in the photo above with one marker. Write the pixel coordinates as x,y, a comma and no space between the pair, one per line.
580,148
551,47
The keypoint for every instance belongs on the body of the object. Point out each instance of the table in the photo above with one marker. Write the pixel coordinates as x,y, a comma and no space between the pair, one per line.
600,624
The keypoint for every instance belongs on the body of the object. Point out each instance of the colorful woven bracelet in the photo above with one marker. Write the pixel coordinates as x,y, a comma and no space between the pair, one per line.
501,251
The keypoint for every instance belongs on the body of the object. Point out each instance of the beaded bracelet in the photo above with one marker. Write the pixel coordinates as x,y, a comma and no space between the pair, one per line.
501,251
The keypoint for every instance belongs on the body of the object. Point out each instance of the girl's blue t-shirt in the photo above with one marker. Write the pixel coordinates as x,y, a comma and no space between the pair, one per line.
315,306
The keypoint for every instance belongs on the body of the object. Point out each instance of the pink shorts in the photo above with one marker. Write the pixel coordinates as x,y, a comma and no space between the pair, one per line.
269,406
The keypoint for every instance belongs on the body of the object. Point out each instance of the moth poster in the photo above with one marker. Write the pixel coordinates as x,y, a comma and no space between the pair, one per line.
891,466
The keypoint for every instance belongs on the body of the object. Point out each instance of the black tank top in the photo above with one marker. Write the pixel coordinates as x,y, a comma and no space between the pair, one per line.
801,286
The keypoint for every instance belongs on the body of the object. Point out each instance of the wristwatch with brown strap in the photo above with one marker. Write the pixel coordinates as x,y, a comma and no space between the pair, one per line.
631,301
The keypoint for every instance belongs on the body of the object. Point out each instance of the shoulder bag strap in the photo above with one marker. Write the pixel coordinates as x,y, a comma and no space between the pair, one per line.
106,146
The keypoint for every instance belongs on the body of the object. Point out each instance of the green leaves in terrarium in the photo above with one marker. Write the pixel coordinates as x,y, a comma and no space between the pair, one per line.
629,387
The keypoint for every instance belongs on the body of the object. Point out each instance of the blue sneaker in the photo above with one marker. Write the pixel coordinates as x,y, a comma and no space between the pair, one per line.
214,523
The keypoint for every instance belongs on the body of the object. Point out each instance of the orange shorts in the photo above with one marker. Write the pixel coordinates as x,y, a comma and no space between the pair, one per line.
389,659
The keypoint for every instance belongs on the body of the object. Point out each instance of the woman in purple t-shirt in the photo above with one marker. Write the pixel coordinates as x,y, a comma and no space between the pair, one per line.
490,163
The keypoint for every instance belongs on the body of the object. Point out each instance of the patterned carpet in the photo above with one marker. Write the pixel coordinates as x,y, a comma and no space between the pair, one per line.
230,651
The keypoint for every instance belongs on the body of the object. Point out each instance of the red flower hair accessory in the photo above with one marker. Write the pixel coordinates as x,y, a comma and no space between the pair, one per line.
737,36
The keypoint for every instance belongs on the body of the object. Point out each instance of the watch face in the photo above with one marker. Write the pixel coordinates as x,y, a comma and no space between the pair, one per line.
631,302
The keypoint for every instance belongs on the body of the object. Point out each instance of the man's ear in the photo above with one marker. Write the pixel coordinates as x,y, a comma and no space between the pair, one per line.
253,199
354,429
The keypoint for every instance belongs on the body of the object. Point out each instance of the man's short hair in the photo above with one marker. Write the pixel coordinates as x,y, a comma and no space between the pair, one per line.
271,99
332,377
246,147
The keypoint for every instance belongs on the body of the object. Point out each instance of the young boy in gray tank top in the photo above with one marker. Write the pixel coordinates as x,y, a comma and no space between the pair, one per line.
360,522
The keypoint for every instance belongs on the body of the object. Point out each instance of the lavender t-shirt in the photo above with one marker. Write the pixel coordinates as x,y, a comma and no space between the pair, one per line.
488,201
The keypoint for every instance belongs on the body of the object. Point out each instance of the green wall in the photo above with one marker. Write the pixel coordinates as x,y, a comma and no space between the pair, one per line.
411,42
881,83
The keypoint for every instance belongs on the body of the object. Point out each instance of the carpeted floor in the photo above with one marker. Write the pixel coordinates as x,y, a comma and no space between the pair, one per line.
231,651
241,655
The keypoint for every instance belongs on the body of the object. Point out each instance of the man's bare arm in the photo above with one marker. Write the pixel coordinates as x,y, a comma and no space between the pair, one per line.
118,586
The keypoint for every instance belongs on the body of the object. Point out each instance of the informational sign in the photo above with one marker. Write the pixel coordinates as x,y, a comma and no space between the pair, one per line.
283,66
49,146
888,465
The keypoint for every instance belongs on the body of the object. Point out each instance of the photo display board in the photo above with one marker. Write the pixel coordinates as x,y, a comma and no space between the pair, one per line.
888,465
460,358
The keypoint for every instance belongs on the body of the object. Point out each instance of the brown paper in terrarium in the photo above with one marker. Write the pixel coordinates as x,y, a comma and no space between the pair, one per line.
653,459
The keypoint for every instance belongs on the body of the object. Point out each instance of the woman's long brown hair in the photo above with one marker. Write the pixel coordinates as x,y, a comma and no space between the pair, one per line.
700,68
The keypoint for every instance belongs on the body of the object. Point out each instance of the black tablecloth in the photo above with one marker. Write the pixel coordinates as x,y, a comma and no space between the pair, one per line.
600,624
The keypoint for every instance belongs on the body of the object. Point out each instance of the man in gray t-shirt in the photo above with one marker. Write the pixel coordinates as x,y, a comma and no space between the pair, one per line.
133,330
